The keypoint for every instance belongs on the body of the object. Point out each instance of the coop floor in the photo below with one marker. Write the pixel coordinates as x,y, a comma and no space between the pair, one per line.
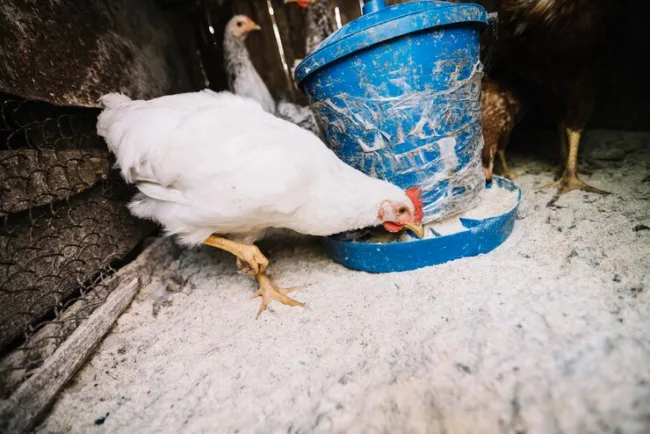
549,333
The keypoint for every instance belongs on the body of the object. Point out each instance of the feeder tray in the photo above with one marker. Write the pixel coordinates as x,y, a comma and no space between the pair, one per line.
481,236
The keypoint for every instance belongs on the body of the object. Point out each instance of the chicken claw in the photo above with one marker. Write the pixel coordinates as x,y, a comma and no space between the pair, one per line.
244,268
268,291
569,183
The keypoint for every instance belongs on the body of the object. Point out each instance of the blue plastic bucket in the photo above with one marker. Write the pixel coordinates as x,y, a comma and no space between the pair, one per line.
396,94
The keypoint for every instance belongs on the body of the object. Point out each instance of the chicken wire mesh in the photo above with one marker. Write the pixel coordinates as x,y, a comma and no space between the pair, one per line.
63,229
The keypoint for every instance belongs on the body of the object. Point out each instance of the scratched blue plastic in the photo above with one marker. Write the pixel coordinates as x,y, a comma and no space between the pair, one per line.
482,236
390,85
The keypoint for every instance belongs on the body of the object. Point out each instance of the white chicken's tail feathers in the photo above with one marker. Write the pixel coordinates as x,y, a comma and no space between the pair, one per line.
114,100
163,194
143,207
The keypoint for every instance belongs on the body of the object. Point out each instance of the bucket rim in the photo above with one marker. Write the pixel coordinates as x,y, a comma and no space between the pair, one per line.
392,22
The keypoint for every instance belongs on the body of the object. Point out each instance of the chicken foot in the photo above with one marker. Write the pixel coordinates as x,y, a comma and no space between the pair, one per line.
244,268
252,262
269,291
569,180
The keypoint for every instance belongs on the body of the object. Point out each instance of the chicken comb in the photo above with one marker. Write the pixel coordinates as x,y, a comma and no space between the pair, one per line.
413,193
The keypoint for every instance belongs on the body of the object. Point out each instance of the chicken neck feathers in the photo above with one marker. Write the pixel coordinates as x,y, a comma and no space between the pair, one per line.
243,78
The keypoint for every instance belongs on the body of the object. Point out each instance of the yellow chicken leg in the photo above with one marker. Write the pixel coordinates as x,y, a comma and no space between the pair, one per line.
504,166
268,291
569,180
252,262
245,253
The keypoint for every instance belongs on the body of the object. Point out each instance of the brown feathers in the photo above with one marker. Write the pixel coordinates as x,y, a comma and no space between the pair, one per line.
502,108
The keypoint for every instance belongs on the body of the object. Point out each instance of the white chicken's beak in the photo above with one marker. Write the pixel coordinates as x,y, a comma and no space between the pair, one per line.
255,27
417,229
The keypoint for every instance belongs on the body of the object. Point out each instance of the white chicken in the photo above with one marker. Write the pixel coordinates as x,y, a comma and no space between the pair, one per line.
216,169
243,78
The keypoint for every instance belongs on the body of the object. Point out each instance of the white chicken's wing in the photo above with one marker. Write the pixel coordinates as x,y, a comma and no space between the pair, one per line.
213,163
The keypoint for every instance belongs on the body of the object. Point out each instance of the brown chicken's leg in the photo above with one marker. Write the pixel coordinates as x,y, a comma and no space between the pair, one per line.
252,262
569,180
504,166
558,169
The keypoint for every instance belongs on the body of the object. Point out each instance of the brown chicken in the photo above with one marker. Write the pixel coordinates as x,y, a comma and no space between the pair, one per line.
558,47
502,107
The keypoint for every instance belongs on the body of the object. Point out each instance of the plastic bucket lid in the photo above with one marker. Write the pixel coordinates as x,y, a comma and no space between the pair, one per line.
380,23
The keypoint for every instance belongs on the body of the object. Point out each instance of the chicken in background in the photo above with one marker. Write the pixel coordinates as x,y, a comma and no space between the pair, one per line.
216,169
558,47
297,114
502,108
244,80
319,25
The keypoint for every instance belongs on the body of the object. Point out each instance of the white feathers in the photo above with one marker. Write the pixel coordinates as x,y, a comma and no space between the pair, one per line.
243,78
299,115
319,24
209,162
113,100
319,27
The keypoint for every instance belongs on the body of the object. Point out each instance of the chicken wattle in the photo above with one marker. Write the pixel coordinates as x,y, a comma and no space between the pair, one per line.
216,169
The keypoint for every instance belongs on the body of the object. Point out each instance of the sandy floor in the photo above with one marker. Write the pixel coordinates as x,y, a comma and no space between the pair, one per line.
549,333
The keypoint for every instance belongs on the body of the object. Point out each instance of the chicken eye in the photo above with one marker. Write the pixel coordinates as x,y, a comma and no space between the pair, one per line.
402,210
239,24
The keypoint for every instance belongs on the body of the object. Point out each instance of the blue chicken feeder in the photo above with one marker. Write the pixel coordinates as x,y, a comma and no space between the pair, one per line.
396,94
478,236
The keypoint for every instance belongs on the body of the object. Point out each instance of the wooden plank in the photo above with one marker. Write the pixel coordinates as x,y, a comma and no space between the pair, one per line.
23,409
290,22
206,15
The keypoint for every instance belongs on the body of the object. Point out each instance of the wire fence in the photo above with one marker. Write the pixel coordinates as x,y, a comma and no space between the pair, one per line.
63,229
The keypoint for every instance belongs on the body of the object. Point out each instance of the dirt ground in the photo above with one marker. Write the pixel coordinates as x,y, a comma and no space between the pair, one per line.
546,334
